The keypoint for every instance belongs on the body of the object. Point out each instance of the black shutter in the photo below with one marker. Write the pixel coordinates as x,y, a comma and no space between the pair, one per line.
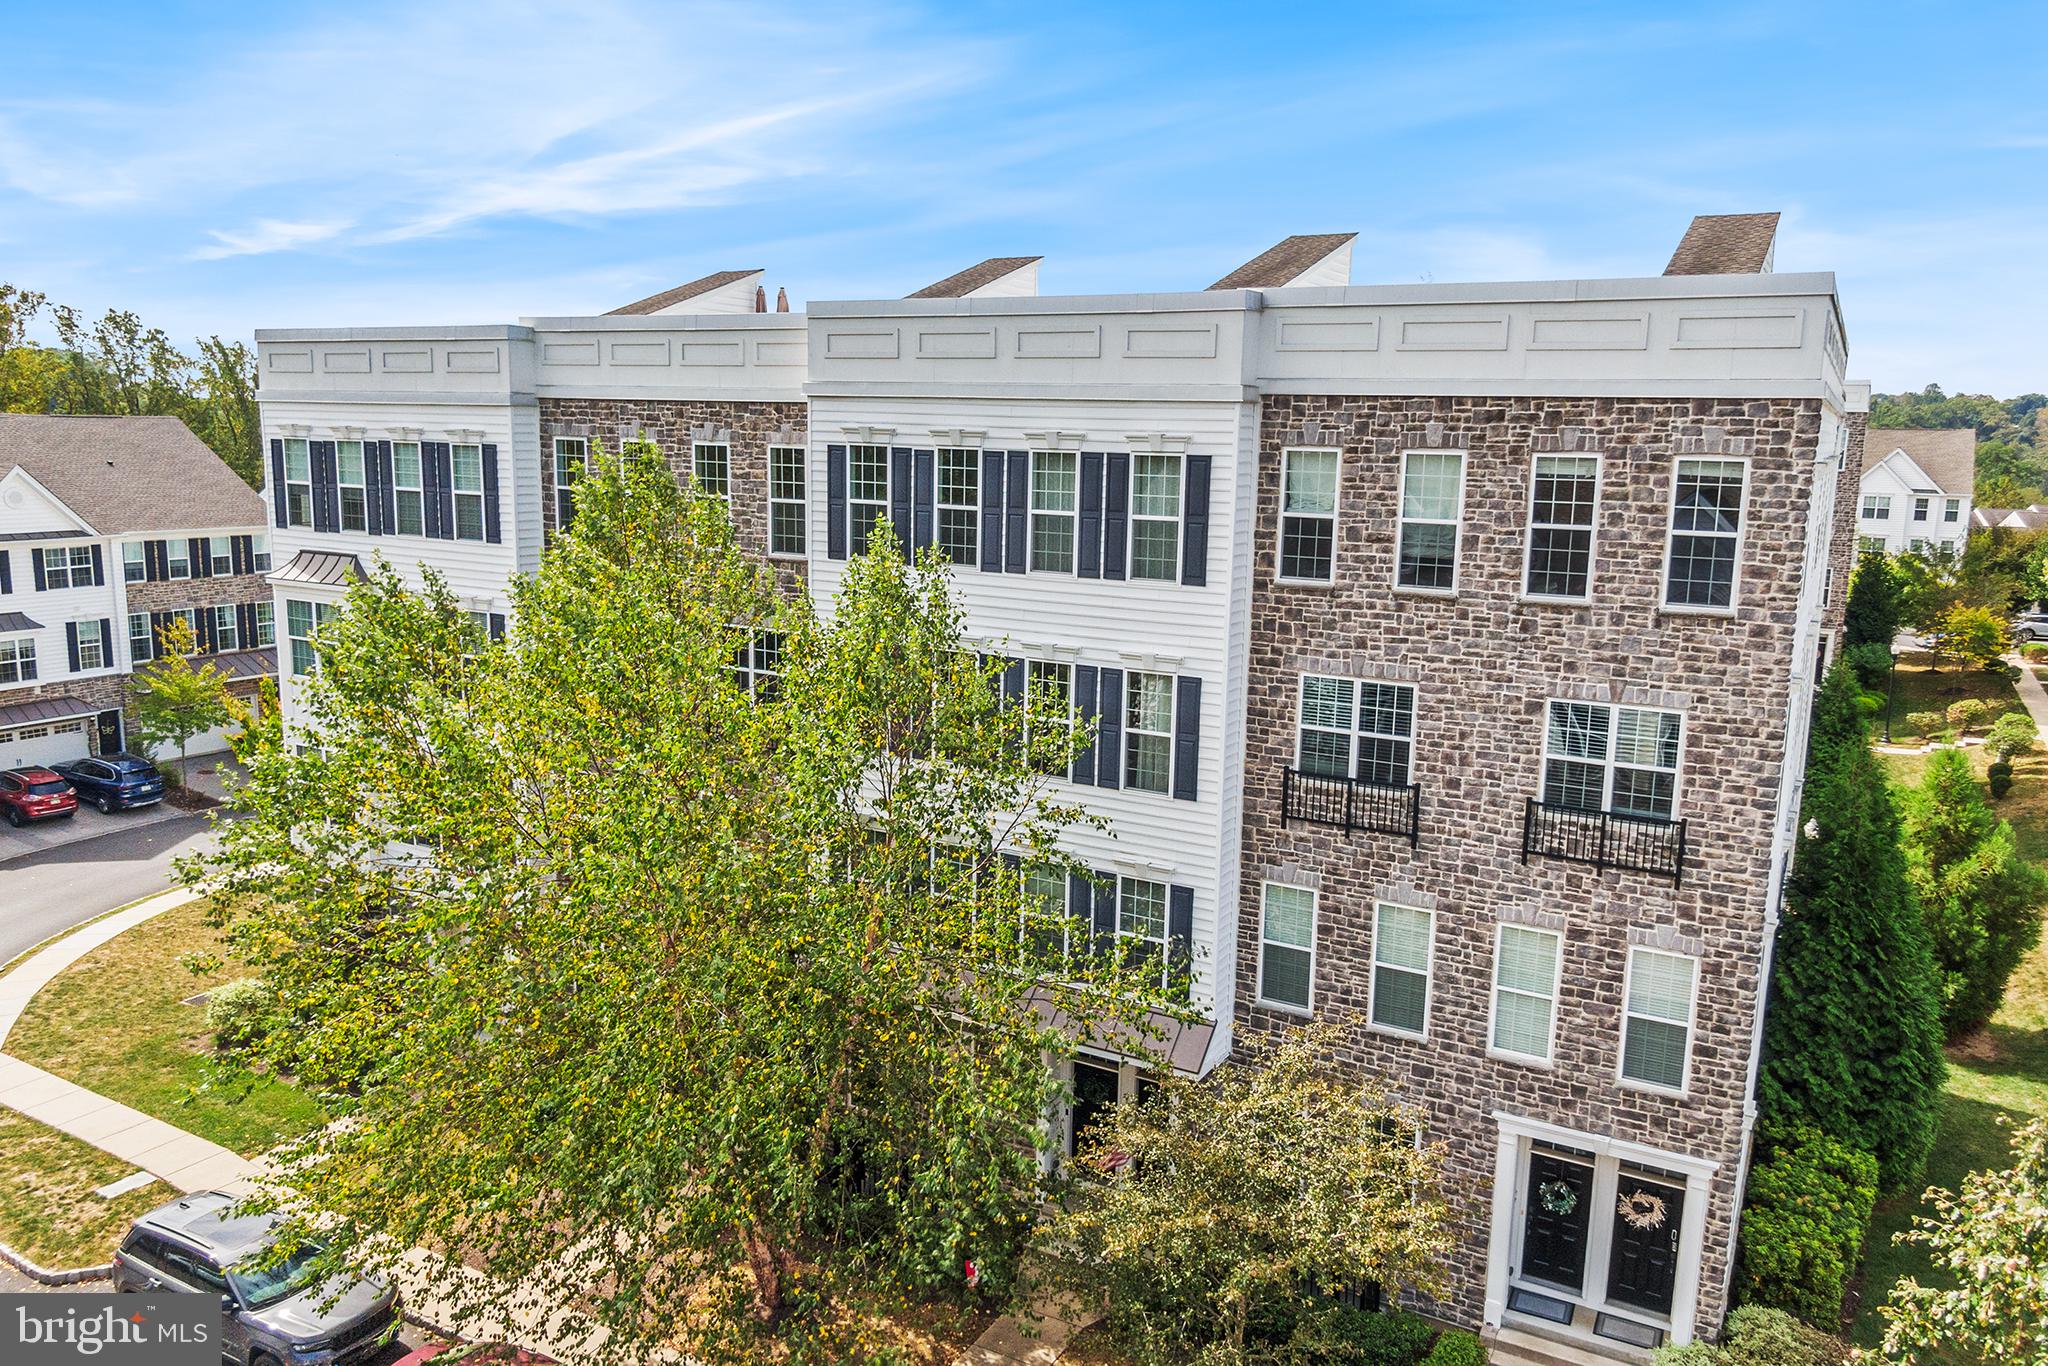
444,475
835,502
199,551
1194,524
1084,708
71,643
491,528
1180,929
387,488
35,559
106,643
991,512
497,626
1187,738
6,574
1116,512
374,483
156,557
245,626
1104,915
99,567
1088,562
277,494
1109,736
899,496
1080,897
209,631
1013,680
242,554
924,498
326,488
159,622
437,505
1016,517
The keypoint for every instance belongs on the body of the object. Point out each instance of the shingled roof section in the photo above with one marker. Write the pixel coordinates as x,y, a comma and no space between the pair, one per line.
1948,454
1284,261
960,285
1726,244
125,474
669,298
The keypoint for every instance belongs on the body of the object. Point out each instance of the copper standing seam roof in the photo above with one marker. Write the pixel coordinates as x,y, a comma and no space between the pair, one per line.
331,568
1725,244
38,709
965,282
1283,261
669,298
1948,454
127,474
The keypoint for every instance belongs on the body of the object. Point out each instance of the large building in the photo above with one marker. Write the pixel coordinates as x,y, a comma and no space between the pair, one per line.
1917,489
1449,648
110,527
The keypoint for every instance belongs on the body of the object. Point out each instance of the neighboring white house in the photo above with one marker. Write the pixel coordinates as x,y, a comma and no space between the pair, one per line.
1916,488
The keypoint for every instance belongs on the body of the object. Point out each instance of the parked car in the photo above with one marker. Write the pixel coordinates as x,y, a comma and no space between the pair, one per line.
35,794
2028,626
114,782
275,1315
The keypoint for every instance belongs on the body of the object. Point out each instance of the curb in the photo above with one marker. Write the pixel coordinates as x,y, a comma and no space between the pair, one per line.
48,1277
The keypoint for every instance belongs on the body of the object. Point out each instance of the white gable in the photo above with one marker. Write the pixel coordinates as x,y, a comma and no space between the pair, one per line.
1907,472
26,507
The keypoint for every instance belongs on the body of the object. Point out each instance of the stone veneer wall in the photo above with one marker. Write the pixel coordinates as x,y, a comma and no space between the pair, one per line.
170,595
1842,551
1484,665
749,429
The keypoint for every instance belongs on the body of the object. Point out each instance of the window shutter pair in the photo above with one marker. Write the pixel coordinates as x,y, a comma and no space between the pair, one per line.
199,551
205,638
277,495
156,561
437,474
326,488
835,502
245,625
241,554
491,526
99,567
376,481
6,573
35,559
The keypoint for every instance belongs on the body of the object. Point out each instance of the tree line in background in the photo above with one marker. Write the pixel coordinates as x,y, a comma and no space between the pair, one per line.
2012,460
115,366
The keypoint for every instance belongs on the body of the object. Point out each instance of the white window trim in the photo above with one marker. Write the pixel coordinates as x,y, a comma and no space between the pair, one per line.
1180,485
1494,989
1315,915
234,626
1355,732
1336,506
725,446
1165,939
1032,664
1372,975
342,486
939,507
1032,514
22,648
1172,720
580,455
1922,508
456,494
419,490
1592,529
1401,521
801,502
1664,604
1883,505
1608,763
291,483
881,505
99,641
140,562
1692,1012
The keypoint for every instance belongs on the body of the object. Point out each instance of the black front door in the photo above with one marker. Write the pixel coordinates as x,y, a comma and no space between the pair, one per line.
1094,1092
110,732
1554,1228
1642,1264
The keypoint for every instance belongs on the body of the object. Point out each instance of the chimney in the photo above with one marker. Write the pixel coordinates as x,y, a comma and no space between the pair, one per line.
760,298
781,299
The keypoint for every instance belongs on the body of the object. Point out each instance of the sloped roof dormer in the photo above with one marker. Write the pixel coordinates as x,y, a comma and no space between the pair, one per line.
1317,258
723,291
999,277
1726,244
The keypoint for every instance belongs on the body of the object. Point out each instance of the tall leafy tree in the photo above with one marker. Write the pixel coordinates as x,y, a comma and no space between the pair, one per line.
704,1004
1876,602
176,700
1852,1036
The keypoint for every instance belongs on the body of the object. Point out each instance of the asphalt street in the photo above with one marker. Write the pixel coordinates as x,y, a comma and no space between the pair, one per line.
46,892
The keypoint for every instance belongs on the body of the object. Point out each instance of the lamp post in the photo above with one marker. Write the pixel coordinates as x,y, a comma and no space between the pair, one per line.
1890,674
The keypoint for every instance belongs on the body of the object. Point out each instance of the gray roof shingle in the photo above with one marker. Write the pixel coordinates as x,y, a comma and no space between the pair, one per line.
127,474
669,298
962,283
1948,454
1725,244
1283,261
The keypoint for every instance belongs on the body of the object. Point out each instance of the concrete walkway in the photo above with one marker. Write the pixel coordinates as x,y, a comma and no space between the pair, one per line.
2031,693
1007,1342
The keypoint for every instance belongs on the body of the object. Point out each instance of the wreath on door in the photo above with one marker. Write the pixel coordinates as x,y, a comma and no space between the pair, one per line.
1642,1210
1557,1197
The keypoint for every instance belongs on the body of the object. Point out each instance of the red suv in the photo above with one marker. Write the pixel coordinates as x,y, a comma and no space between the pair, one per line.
35,794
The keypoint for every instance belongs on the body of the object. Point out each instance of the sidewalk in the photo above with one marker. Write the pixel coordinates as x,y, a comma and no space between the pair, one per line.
2032,694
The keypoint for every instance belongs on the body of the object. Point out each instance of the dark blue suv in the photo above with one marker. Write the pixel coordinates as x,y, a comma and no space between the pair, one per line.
114,782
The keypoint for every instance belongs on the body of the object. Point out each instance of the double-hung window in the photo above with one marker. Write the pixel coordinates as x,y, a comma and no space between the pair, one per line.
757,663
1049,710
1952,510
786,500
467,464
1055,484
1047,920
141,639
177,558
1618,759
959,504
1287,946
134,561
1870,545
93,647
1920,506
711,468
1308,516
70,566
1706,527
1351,728
1877,507
1401,947
1141,920
220,555
1432,499
867,494
1155,516
1563,496
266,626
1525,967
301,620
1148,732
298,482
572,462
355,493
1656,1023
226,635
408,487
17,659
259,554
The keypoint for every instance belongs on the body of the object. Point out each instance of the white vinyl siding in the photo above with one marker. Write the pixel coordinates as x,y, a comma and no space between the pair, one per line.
1432,500
1525,968
1287,939
1402,944
1656,1027
1308,516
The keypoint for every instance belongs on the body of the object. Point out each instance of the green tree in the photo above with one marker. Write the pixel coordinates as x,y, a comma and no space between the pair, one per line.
1972,635
176,700
1876,602
1982,900
224,413
1218,1204
1852,1036
1989,1243
703,1006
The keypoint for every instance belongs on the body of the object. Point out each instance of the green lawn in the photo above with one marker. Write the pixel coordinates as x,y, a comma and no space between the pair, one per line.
1916,687
115,1023
48,1211
2000,1074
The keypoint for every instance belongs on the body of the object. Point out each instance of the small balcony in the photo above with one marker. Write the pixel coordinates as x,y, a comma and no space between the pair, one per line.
1350,804
1604,839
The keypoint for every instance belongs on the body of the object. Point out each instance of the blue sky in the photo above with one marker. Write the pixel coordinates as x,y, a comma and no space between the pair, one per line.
220,168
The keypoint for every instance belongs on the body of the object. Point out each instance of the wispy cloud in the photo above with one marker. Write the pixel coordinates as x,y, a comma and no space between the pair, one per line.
267,235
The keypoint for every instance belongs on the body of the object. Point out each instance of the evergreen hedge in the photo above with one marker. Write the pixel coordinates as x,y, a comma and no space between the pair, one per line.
1803,1224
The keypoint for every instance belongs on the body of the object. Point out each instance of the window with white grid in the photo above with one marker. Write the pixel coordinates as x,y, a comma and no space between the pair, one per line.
1706,526
1155,516
1287,939
1618,759
1308,515
1656,1027
1355,728
1525,965
1401,947
1563,496
1432,496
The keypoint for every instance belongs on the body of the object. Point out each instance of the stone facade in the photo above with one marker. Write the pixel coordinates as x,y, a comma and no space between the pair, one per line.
1484,663
747,429
1842,550
176,594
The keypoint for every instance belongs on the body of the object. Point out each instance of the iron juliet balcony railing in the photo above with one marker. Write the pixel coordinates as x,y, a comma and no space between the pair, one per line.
1604,839
1351,804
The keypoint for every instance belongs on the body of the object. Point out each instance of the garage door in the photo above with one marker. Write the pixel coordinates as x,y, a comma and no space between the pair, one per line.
43,745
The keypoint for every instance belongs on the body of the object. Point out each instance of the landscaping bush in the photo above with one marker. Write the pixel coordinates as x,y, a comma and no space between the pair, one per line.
1809,1208
2035,650
1999,776
1759,1337
1931,724
239,1013
1871,660
1872,703
2012,734
1457,1348
1967,715
1361,1337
